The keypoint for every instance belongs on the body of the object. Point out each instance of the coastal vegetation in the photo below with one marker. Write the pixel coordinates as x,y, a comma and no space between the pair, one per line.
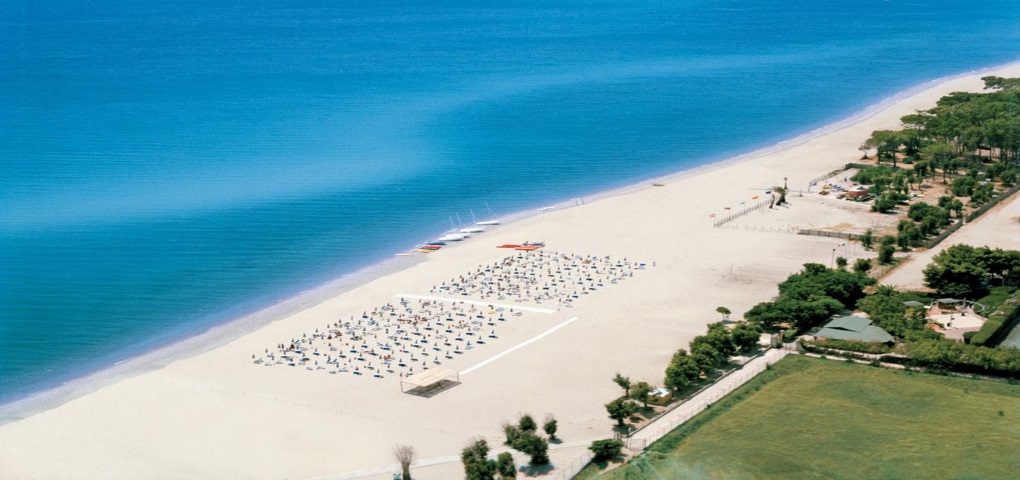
963,271
967,272
809,297
709,352
524,438
861,422
969,142
478,465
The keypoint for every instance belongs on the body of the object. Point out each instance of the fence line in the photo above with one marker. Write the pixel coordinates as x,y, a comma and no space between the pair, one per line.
745,211
814,181
945,233
824,233
993,202
574,467
698,403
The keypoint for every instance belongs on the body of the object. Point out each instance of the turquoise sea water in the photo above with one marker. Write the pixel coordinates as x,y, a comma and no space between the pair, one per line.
167,166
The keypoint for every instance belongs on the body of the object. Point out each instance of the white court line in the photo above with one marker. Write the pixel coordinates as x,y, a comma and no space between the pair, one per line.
518,346
476,302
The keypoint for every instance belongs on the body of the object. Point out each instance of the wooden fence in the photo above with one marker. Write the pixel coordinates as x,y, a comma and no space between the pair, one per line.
761,203
824,233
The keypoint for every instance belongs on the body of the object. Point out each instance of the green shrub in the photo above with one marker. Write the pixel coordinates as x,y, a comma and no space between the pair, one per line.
994,327
605,449
853,346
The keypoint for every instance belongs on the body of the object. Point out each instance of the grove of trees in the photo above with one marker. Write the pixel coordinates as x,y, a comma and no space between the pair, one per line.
964,271
809,297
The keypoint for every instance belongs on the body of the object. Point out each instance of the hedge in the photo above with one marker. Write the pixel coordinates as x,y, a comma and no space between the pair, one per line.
851,346
999,323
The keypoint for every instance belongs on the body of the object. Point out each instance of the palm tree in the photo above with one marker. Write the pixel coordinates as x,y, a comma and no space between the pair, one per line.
405,455
782,191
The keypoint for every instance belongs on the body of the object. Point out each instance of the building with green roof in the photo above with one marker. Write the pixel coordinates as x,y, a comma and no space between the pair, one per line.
852,327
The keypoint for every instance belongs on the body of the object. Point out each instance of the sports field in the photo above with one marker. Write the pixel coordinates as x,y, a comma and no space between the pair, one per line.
811,418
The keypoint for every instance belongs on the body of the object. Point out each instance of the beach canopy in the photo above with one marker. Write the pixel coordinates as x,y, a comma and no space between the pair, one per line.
913,303
429,378
949,301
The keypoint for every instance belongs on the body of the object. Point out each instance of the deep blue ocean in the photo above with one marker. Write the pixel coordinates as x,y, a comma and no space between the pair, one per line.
166,166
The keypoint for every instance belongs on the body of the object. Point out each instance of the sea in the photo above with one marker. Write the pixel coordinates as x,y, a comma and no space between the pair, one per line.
170,166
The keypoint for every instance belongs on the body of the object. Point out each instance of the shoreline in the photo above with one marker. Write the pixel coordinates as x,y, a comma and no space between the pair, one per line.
216,411
233,329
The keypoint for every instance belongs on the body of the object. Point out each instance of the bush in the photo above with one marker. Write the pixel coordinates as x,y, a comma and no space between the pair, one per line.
997,325
885,254
942,354
852,346
605,449
550,427
789,335
862,265
527,423
534,446
868,239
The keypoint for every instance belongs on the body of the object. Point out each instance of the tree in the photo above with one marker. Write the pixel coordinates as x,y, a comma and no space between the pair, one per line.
957,271
527,424
725,312
706,356
867,239
884,204
885,254
802,314
745,336
841,263
534,446
511,432
864,148
682,371
477,465
620,410
549,427
862,265
405,455
605,449
782,191
623,382
718,336
887,142
505,466
640,392
940,154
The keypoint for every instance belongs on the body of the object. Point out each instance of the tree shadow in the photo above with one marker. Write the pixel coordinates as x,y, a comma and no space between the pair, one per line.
622,430
536,470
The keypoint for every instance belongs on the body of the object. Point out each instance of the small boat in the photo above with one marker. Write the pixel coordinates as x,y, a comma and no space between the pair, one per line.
431,247
510,245
528,248
472,230
436,243
487,223
536,244
405,254
422,250
452,237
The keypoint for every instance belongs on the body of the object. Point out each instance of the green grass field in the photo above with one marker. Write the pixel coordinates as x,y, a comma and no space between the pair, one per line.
811,418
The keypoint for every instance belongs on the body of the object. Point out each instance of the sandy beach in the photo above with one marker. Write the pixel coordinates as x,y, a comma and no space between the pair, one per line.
223,413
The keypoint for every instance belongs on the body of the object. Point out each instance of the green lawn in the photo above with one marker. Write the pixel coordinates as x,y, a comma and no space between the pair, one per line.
811,418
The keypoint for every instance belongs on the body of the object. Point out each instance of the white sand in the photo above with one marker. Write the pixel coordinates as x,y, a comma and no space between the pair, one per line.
215,414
